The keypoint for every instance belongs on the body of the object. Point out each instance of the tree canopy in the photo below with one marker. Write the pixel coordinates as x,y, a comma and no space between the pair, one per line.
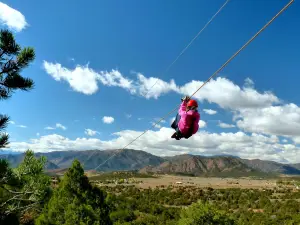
76,201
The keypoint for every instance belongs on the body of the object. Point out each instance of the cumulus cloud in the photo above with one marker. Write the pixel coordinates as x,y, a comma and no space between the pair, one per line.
108,119
57,125
12,18
90,132
115,78
210,111
283,120
146,87
229,95
225,125
220,91
159,143
81,79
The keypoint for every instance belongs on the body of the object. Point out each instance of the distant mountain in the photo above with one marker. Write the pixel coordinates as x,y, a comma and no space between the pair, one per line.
128,159
201,165
270,166
297,166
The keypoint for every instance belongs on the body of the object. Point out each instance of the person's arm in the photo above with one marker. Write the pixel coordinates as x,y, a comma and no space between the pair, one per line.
182,108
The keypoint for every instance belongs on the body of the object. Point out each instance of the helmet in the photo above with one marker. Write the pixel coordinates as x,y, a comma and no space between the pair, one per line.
192,103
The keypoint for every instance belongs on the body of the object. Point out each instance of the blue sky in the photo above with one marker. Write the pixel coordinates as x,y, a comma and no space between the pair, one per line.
94,60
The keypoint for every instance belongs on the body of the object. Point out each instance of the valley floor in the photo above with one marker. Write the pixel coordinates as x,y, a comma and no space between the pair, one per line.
212,182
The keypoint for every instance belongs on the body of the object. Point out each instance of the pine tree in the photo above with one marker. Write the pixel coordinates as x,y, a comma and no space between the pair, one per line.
13,60
23,190
76,201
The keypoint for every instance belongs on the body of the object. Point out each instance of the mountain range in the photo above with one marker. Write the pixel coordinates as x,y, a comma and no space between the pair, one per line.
196,165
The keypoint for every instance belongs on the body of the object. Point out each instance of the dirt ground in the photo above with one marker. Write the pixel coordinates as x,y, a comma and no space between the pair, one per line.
205,182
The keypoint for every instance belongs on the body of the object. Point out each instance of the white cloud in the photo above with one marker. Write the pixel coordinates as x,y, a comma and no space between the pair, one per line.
81,79
283,120
220,91
49,128
159,143
140,118
210,111
202,124
58,125
22,126
12,18
249,83
228,95
225,125
108,119
12,122
254,111
115,78
85,80
90,132
37,134
128,116
284,140
145,86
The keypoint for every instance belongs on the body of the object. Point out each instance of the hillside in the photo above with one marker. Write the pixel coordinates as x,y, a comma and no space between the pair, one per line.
126,160
297,166
200,165
145,162
270,166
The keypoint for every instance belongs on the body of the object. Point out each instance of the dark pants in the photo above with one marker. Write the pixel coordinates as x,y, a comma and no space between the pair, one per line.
174,125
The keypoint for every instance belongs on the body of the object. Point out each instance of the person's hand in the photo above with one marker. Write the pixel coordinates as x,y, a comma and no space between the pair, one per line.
185,98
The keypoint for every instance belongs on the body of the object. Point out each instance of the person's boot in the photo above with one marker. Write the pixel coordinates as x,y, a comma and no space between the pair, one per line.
174,135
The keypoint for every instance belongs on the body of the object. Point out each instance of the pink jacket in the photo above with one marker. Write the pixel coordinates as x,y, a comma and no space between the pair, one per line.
187,118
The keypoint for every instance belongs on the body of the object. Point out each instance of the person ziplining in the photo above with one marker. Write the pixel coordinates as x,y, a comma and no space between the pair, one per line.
187,119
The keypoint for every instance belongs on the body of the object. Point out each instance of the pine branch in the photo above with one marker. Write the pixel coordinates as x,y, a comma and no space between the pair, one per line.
16,81
9,67
26,56
8,44
4,140
3,121
4,93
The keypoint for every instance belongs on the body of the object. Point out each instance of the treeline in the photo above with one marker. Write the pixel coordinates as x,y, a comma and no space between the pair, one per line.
244,206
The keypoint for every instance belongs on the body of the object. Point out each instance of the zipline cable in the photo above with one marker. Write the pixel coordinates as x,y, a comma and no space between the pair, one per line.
222,67
181,53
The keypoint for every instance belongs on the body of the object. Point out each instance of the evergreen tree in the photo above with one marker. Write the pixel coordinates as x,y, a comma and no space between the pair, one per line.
13,60
76,201
23,190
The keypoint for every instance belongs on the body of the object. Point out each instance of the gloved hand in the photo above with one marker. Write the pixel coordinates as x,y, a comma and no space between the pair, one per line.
185,98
